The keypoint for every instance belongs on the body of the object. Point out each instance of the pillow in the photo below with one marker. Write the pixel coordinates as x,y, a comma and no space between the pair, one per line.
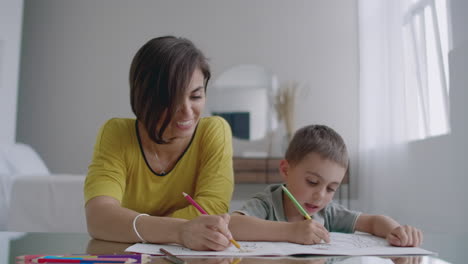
23,160
16,160
5,186
6,181
3,166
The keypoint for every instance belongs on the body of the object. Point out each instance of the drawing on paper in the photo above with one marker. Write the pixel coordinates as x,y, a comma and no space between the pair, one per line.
347,244
247,247
345,241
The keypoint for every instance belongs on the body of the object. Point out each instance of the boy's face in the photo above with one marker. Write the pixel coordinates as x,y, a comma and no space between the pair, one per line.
313,181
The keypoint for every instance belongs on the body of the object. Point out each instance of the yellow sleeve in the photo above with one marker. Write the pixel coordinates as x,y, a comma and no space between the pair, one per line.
215,182
106,172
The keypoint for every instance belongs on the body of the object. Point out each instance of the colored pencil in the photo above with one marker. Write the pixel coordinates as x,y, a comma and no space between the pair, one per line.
296,203
83,260
169,256
29,257
140,258
200,209
143,258
192,201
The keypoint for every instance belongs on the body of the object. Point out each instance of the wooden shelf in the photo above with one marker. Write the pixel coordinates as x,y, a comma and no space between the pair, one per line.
256,170
260,170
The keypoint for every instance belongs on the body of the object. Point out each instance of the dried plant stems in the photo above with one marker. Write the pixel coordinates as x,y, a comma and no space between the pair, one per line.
284,104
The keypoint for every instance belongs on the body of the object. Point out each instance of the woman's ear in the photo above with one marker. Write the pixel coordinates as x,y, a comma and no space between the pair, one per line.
284,169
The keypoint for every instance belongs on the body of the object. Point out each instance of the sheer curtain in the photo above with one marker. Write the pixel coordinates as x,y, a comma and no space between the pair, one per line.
403,93
381,139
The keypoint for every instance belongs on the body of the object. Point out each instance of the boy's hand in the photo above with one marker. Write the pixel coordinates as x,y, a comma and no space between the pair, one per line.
309,232
405,236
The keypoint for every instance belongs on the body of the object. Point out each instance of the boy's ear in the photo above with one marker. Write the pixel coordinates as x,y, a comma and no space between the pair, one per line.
284,169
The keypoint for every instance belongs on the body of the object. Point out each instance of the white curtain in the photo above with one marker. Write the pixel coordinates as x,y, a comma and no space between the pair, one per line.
400,100
382,106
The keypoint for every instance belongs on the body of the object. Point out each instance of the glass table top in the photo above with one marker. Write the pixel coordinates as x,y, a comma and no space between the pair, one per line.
14,244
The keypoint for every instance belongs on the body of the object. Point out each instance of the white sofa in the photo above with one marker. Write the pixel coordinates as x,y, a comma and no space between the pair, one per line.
53,203
34,200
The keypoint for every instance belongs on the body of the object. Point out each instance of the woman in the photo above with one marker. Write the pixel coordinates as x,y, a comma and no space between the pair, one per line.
133,190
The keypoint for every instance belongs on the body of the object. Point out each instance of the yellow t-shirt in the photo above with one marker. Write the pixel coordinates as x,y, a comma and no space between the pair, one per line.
119,170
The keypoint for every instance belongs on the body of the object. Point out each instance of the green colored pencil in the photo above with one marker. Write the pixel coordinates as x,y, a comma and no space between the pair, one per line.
296,203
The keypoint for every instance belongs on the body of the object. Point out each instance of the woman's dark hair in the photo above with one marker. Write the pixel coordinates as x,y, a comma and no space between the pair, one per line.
159,76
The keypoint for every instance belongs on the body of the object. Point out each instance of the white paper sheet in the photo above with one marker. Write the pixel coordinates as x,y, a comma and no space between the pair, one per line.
341,244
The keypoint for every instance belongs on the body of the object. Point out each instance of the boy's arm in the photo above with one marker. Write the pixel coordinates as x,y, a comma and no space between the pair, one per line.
377,225
249,228
385,227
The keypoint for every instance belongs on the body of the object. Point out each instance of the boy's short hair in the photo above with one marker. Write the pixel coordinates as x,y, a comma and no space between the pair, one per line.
319,139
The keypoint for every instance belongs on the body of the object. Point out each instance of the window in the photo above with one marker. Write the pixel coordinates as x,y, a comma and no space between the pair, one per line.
426,45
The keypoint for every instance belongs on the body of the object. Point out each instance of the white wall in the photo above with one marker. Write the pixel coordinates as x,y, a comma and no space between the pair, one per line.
11,16
76,58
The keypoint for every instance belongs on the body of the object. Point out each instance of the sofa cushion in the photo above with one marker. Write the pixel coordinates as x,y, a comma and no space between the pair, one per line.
53,203
16,160
4,168
23,160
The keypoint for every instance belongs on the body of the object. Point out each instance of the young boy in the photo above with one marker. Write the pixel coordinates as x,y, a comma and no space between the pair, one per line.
314,166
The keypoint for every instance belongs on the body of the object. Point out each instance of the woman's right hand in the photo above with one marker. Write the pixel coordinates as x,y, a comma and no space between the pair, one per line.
206,232
309,232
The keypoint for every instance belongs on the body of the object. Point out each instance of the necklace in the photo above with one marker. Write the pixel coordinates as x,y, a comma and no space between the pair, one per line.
162,168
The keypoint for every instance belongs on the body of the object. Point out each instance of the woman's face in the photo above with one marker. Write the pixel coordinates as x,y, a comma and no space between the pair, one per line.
188,114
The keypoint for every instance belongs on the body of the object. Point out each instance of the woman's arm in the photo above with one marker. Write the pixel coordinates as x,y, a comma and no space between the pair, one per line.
385,227
215,180
107,220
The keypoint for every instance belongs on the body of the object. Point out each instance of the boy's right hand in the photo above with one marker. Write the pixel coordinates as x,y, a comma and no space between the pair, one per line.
309,232
206,232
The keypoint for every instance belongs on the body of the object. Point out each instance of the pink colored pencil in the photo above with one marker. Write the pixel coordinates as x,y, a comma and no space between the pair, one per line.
233,241
194,203
29,257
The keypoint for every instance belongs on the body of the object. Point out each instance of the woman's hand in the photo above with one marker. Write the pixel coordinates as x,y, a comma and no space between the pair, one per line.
308,232
206,232
405,236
